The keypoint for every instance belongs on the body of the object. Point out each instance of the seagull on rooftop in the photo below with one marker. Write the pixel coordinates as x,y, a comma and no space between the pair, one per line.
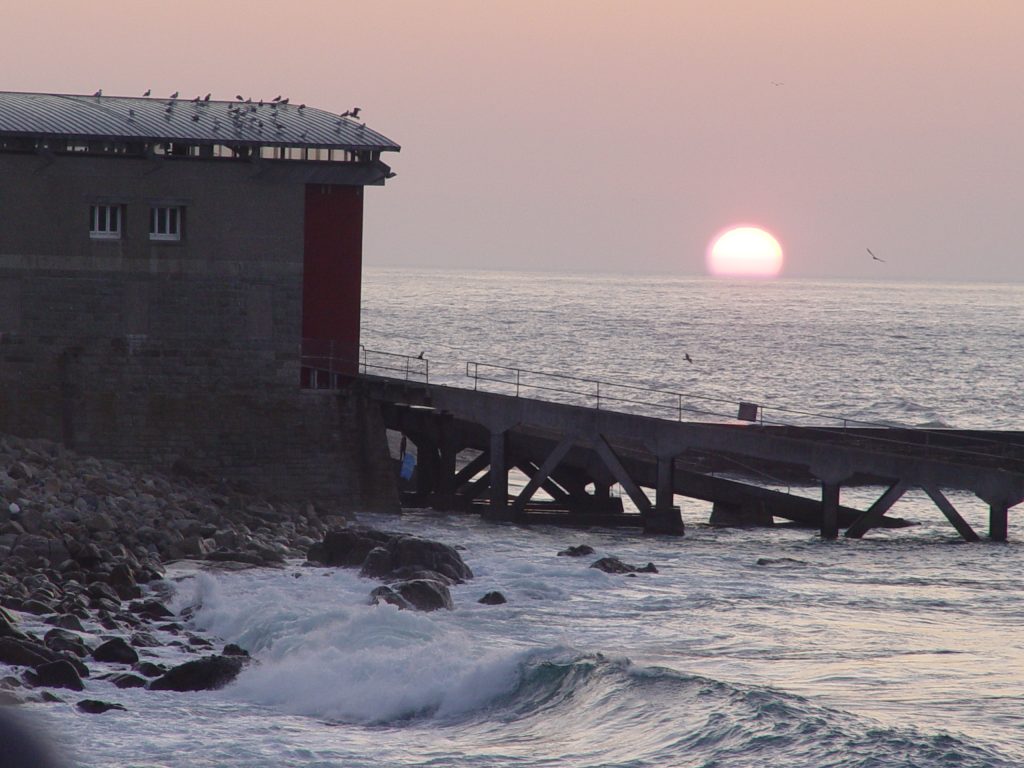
875,257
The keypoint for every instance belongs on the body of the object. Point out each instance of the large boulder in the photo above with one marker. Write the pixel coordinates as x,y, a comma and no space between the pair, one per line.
417,595
24,653
56,674
414,553
205,674
347,546
385,555
116,650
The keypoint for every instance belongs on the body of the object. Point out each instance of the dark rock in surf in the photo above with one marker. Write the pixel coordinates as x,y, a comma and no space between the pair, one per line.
128,680
493,598
149,669
61,640
388,555
347,546
424,554
577,551
235,650
24,653
97,707
417,595
205,674
116,650
55,674
614,565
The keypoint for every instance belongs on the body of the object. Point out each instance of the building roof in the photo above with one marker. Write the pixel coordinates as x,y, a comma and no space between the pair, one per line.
193,121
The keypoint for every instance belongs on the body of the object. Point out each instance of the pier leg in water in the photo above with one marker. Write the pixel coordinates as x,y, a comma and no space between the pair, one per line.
829,510
665,517
997,520
498,508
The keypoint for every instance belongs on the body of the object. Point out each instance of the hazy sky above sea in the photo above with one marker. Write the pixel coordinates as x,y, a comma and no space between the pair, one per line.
615,136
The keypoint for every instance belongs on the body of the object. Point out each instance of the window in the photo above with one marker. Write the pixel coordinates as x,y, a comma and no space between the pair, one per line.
165,222
105,222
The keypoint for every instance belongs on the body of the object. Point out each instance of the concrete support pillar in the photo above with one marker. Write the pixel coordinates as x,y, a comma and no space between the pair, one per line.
446,474
997,520
426,466
829,510
499,473
665,493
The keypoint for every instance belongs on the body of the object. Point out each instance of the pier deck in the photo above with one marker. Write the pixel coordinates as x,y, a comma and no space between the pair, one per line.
468,440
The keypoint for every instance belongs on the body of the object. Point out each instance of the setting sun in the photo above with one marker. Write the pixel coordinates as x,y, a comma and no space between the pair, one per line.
744,251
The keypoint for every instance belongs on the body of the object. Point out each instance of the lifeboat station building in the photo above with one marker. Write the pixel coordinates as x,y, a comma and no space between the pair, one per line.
162,263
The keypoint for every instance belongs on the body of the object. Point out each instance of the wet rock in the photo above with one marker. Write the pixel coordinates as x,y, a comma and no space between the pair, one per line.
66,621
493,598
127,680
62,640
234,650
151,609
347,546
23,653
116,650
414,552
578,551
7,627
614,565
55,674
97,707
208,673
418,595
149,669
378,563
144,640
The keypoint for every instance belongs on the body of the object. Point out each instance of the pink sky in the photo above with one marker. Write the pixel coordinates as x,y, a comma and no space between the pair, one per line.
615,136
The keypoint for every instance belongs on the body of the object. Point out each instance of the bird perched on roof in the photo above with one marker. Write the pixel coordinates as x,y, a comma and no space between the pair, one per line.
174,95
148,91
277,98
195,118
301,107
195,100
284,101
207,97
99,92
239,97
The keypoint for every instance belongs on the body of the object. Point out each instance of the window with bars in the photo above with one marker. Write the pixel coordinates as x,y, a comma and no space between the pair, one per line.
165,222
105,222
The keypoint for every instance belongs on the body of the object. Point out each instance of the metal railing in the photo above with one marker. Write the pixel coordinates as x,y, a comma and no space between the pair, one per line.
687,406
327,364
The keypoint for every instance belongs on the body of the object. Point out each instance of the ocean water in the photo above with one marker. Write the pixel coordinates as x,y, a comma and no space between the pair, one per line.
748,648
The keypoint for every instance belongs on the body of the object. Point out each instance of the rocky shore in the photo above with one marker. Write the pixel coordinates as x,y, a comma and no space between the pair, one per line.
83,548
84,544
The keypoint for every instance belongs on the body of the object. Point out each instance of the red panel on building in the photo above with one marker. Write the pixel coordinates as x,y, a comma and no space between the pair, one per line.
332,274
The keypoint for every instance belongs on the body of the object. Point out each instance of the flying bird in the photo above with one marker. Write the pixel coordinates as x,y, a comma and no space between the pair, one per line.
687,358
239,97
875,257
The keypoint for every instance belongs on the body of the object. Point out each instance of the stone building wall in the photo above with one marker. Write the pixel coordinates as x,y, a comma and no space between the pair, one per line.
161,352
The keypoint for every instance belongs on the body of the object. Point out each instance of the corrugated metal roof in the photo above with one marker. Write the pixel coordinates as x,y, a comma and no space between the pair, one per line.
124,118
